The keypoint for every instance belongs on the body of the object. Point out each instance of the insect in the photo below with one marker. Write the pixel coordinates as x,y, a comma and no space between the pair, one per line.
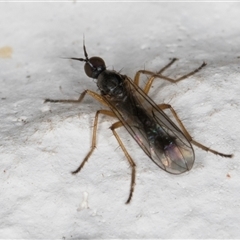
166,144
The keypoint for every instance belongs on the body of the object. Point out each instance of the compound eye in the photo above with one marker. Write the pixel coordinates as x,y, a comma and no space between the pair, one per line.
94,67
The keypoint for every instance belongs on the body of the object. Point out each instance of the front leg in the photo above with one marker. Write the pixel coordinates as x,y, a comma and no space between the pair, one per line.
96,96
153,75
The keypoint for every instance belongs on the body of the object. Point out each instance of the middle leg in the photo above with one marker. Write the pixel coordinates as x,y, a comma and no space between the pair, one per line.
93,145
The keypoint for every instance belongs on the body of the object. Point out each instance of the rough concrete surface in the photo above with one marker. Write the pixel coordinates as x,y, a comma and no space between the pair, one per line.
40,144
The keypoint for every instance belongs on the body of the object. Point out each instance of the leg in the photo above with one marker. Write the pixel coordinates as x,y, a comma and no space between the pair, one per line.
167,66
159,75
93,145
131,162
89,92
188,136
137,76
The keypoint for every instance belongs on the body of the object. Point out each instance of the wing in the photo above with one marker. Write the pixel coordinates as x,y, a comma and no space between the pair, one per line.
153,130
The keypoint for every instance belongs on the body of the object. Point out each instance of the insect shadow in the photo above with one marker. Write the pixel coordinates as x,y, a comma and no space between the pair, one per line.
166,144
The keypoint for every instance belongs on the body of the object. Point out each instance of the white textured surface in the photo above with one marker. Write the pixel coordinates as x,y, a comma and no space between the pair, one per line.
41,143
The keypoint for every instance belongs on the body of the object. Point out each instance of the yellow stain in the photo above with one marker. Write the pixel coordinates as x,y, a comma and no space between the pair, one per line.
5,52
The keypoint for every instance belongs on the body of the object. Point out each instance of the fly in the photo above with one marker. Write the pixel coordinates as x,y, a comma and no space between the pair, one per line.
169,146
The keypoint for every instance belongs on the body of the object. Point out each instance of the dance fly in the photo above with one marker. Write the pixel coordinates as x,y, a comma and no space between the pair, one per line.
169,146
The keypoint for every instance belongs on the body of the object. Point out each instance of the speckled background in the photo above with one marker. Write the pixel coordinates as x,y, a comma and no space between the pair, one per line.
40,144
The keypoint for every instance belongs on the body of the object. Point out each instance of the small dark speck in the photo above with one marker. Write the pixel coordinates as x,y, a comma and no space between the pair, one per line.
28,76
3,98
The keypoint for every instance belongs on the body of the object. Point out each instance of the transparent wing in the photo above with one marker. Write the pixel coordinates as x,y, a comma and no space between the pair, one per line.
153,130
